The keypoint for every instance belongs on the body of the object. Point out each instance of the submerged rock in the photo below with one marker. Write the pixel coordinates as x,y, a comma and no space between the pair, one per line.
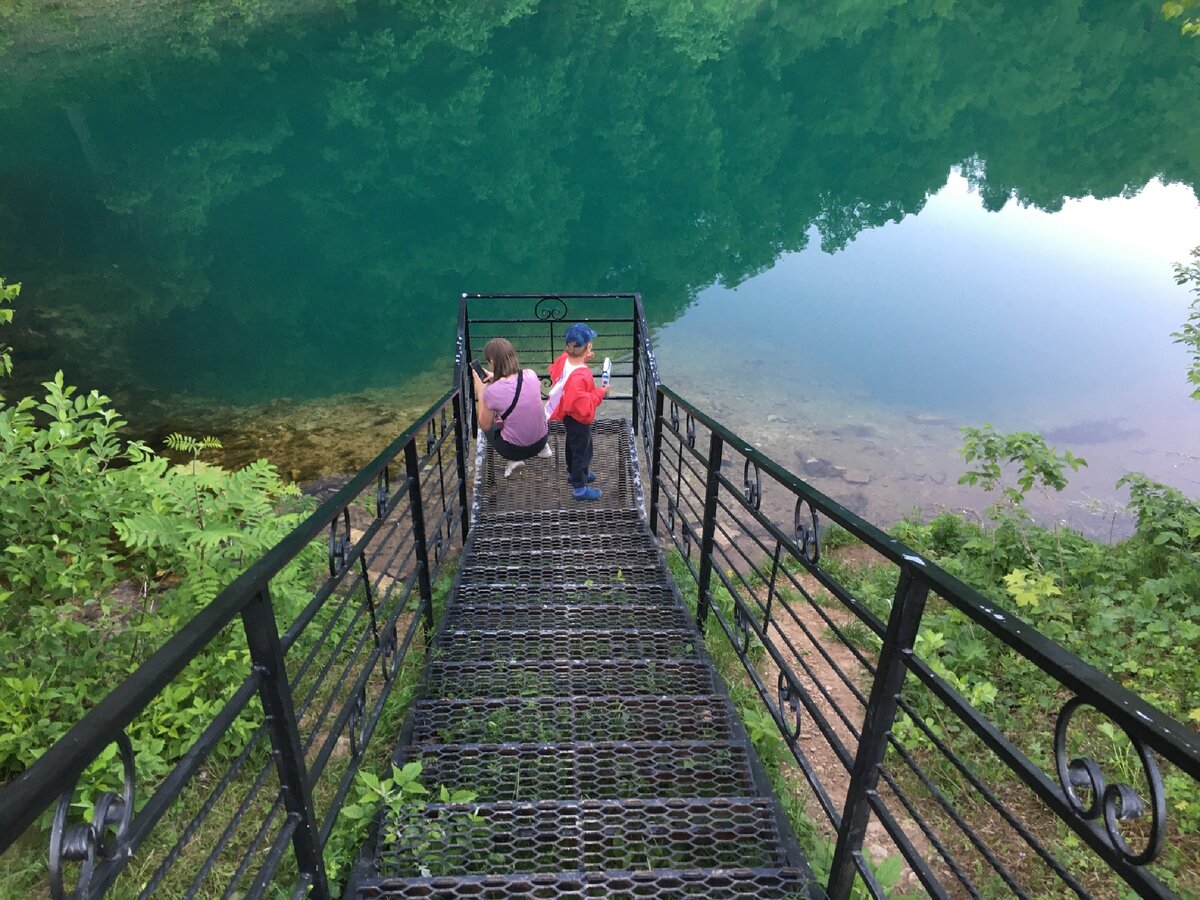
926,418
1098,432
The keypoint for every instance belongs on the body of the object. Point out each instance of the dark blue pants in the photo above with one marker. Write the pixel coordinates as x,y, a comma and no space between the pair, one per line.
579,450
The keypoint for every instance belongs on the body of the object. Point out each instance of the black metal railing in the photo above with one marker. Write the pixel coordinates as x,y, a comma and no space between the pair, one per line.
259,791
979,795
893,747
536,323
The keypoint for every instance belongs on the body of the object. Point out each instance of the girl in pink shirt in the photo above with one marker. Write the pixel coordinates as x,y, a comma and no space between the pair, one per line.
509,406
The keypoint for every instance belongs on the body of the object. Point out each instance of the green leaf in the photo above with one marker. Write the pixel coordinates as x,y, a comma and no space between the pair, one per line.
888,872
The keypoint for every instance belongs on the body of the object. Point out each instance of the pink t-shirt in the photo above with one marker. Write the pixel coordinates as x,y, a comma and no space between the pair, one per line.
527,423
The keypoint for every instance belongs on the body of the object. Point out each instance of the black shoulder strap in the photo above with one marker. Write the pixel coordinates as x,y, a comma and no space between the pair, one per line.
516,396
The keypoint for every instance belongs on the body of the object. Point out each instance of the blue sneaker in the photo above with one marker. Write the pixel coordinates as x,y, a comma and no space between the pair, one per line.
591,478
587,493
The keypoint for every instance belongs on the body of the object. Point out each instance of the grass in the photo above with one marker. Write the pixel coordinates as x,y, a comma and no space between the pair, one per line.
23,869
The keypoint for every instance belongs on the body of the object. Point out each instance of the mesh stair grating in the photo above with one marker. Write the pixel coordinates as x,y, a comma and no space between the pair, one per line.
569,689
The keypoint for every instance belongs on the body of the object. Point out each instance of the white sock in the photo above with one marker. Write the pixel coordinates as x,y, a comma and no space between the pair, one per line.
512,467
546,452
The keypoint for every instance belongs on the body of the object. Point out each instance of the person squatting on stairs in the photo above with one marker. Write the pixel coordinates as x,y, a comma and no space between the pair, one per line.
573,401
509,407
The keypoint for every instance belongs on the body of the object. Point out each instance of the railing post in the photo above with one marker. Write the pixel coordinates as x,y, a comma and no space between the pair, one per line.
711,485
460,444
262,637
417,509
637,355
656,461
901,634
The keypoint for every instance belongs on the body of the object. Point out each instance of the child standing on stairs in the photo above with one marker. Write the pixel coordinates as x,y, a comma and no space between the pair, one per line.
573,401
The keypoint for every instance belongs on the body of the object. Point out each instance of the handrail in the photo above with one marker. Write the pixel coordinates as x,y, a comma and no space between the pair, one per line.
742,557
374,614
1168,736
695,500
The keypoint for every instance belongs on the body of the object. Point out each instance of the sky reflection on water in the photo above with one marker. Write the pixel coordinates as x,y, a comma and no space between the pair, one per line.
1057,322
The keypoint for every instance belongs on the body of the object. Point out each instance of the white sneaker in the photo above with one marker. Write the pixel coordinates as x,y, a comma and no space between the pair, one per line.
512,467
545,452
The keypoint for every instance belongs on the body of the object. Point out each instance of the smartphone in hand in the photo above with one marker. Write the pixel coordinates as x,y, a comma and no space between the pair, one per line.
479,370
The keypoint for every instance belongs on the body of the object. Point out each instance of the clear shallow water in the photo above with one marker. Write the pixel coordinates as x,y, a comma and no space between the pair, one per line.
221,220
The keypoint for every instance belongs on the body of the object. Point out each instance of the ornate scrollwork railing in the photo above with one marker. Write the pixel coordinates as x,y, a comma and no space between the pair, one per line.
263,782
907,740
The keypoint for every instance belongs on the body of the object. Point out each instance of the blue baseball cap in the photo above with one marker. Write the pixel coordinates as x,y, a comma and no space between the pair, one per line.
579,335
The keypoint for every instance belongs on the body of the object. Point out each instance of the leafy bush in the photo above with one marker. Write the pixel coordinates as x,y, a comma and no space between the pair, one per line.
106,549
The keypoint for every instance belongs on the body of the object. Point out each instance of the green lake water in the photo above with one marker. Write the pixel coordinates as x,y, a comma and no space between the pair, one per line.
856,226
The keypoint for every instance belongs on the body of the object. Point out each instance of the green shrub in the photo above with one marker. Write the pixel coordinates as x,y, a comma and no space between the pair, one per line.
106,549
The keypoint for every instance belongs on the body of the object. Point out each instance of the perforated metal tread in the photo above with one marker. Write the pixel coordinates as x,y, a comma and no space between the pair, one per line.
590,771
472,839
541,484
569,692
556,678
542,719
622,643
716,884
655,614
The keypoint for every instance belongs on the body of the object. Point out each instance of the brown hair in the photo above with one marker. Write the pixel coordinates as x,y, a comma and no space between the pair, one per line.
503,357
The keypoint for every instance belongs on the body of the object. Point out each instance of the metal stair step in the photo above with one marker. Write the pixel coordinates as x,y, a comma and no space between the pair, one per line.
549,837
587,770
661,613
597,573
486,646
713,884
590,678
581,561
679,718
654,592
570,528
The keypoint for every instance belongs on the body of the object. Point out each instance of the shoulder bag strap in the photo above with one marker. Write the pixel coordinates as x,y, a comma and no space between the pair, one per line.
516,396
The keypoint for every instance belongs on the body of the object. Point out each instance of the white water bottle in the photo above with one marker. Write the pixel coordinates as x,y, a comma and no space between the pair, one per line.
606,374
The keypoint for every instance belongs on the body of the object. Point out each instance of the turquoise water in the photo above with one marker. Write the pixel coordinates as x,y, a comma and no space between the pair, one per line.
905,219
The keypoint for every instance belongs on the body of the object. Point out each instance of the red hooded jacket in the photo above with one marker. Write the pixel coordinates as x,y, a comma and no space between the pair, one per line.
580,395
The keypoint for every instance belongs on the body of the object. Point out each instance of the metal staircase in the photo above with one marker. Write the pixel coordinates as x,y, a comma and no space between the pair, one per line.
569,689
573,737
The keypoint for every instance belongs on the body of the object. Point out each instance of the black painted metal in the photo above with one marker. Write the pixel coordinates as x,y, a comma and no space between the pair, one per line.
256,823
907,607
262,637
569,686
570,692
710,521
898,779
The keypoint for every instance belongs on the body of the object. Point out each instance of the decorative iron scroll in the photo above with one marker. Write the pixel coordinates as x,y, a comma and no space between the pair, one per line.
430,436
670,515
1116,802
752,489
92,842
445,422
550,308
690,428
339,544
788,699
382,492
741,627
389,662
356,726
674,417
808,538
437,546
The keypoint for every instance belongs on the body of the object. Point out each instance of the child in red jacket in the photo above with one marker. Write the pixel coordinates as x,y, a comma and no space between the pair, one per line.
573,401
